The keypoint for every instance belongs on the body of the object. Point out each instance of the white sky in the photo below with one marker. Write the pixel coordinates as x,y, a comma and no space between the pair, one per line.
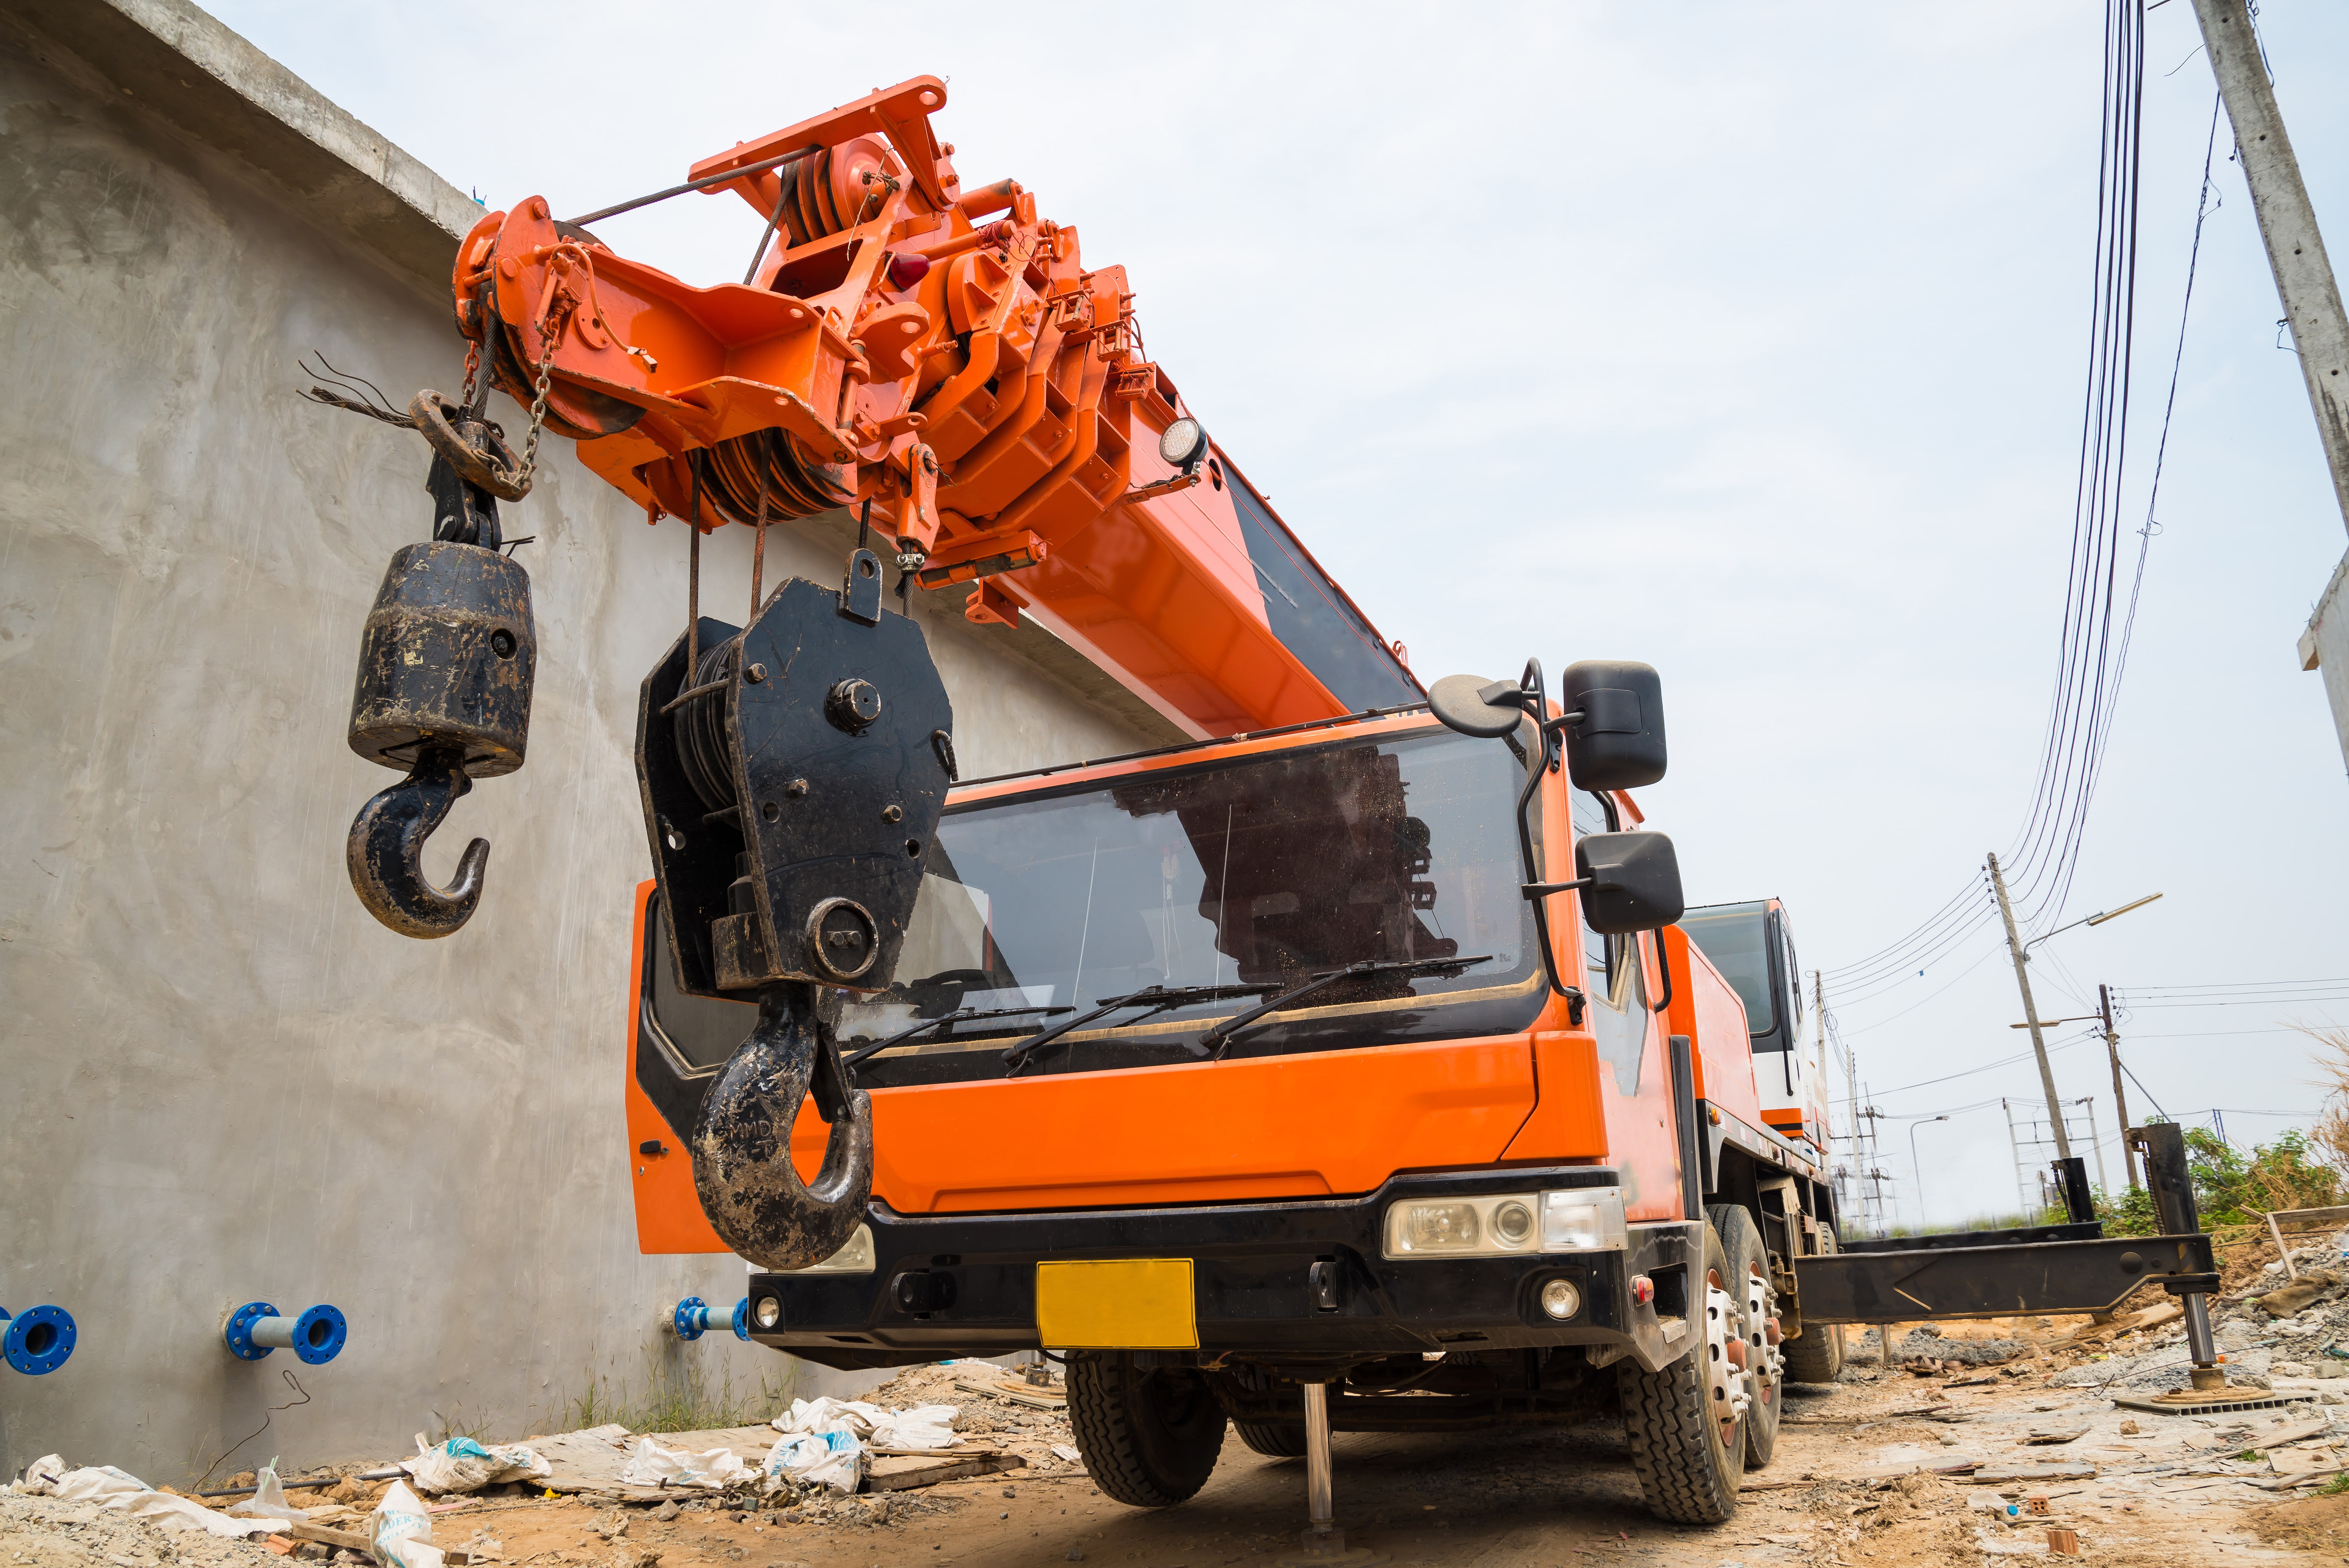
1748,340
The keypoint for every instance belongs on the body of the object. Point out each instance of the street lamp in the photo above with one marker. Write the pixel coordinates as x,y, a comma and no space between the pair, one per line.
2094,919
1917,1166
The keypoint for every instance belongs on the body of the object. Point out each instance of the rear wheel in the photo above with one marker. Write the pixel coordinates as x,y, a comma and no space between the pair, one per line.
1688,1459
1275,1442
1754,1312
1150,1437
1816,1355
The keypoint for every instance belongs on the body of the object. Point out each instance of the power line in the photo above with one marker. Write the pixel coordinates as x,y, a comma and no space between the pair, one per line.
2092,654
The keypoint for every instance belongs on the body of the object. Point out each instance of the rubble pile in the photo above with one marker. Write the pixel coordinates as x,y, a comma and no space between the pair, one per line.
2286,1334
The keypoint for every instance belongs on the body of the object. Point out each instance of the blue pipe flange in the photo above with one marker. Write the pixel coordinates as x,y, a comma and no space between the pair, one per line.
237,1333
742,1318
691,1318
316,1335
38,1341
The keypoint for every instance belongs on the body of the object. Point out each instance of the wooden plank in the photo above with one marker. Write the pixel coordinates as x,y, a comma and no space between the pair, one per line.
1017,1393
328,1535
899,1474
2006,1474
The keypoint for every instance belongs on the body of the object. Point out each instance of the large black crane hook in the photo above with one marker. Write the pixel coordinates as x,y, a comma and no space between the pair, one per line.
386,846
445,673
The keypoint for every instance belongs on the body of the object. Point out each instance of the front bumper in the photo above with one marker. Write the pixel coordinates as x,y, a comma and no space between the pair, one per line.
964,1284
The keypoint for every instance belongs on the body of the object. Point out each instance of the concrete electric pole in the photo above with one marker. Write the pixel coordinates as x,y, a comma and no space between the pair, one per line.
2310,298
2120,1096
2031,1011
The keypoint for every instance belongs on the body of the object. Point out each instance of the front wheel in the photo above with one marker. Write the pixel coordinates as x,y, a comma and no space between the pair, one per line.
1150,1437
1754,1314
1688,1458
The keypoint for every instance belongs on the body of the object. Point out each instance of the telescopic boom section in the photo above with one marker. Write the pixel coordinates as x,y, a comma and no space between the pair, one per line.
945,354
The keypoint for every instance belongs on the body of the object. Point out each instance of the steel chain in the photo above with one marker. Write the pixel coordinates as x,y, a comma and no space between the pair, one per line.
538,404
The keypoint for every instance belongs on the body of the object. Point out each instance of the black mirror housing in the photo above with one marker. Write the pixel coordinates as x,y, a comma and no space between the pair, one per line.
1619,743
1634,881
1474,706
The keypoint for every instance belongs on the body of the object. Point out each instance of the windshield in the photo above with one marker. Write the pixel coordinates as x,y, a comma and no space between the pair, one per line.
1262,872
1734,937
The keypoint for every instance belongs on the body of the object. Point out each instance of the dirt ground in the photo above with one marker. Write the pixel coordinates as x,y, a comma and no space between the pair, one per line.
1850,1487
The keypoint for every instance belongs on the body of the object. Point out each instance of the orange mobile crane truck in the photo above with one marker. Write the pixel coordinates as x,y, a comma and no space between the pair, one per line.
1350,1051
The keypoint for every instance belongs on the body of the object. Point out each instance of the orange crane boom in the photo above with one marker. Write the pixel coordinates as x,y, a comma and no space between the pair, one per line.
943,357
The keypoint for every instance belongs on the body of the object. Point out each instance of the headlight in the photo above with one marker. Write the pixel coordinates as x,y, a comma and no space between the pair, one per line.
1581,1220
1185,442
768,1311
857,1257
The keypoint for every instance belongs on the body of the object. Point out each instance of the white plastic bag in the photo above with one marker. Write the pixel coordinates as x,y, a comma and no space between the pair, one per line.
827,1413
107,1486
461,1464
657,1464
836,1459
399,1533
268,1500
923,1427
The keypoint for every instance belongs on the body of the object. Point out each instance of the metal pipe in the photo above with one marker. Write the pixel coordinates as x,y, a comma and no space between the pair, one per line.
1321,1518
38,1341
256,1328
727,178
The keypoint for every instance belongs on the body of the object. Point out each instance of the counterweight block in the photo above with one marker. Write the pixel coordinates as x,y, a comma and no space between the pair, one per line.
448,658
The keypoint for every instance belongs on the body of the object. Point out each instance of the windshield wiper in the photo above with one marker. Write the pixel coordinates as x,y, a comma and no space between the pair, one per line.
1213,1042
1150,998
961,1015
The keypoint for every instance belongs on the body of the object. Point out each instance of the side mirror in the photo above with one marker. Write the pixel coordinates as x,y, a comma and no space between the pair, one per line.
1474,706
1634,881
1618,741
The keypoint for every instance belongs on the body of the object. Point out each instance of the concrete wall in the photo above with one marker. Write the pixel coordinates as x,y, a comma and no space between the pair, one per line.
222,1080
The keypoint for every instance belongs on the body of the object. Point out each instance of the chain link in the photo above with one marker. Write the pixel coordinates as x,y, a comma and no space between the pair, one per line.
538,404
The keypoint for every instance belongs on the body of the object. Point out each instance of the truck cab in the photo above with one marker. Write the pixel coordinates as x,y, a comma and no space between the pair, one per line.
1752,945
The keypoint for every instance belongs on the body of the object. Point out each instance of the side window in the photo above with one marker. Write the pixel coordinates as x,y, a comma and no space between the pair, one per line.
1793,968
1597,952
1617,1012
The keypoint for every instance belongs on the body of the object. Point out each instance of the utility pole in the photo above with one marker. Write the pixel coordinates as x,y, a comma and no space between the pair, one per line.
2304,276
2030,1009
2120,1096
2311,299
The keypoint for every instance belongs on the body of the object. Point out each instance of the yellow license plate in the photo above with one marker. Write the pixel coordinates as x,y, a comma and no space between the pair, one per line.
1131,1303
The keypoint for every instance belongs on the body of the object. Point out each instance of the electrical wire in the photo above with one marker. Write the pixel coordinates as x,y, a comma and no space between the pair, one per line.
2098,621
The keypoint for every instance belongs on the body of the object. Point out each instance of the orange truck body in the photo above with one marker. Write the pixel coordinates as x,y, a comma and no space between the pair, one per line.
1449,1156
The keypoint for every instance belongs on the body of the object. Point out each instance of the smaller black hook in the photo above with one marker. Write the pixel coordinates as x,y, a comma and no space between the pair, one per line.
386,846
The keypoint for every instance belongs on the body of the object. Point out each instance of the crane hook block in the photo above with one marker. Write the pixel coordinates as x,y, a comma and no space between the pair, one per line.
792,783
443,695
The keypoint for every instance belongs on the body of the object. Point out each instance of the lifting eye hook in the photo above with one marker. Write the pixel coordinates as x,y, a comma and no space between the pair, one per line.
749,1188
386,846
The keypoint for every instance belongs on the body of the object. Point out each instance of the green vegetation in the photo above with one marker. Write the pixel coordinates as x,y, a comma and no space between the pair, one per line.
2231,1188
680,1398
